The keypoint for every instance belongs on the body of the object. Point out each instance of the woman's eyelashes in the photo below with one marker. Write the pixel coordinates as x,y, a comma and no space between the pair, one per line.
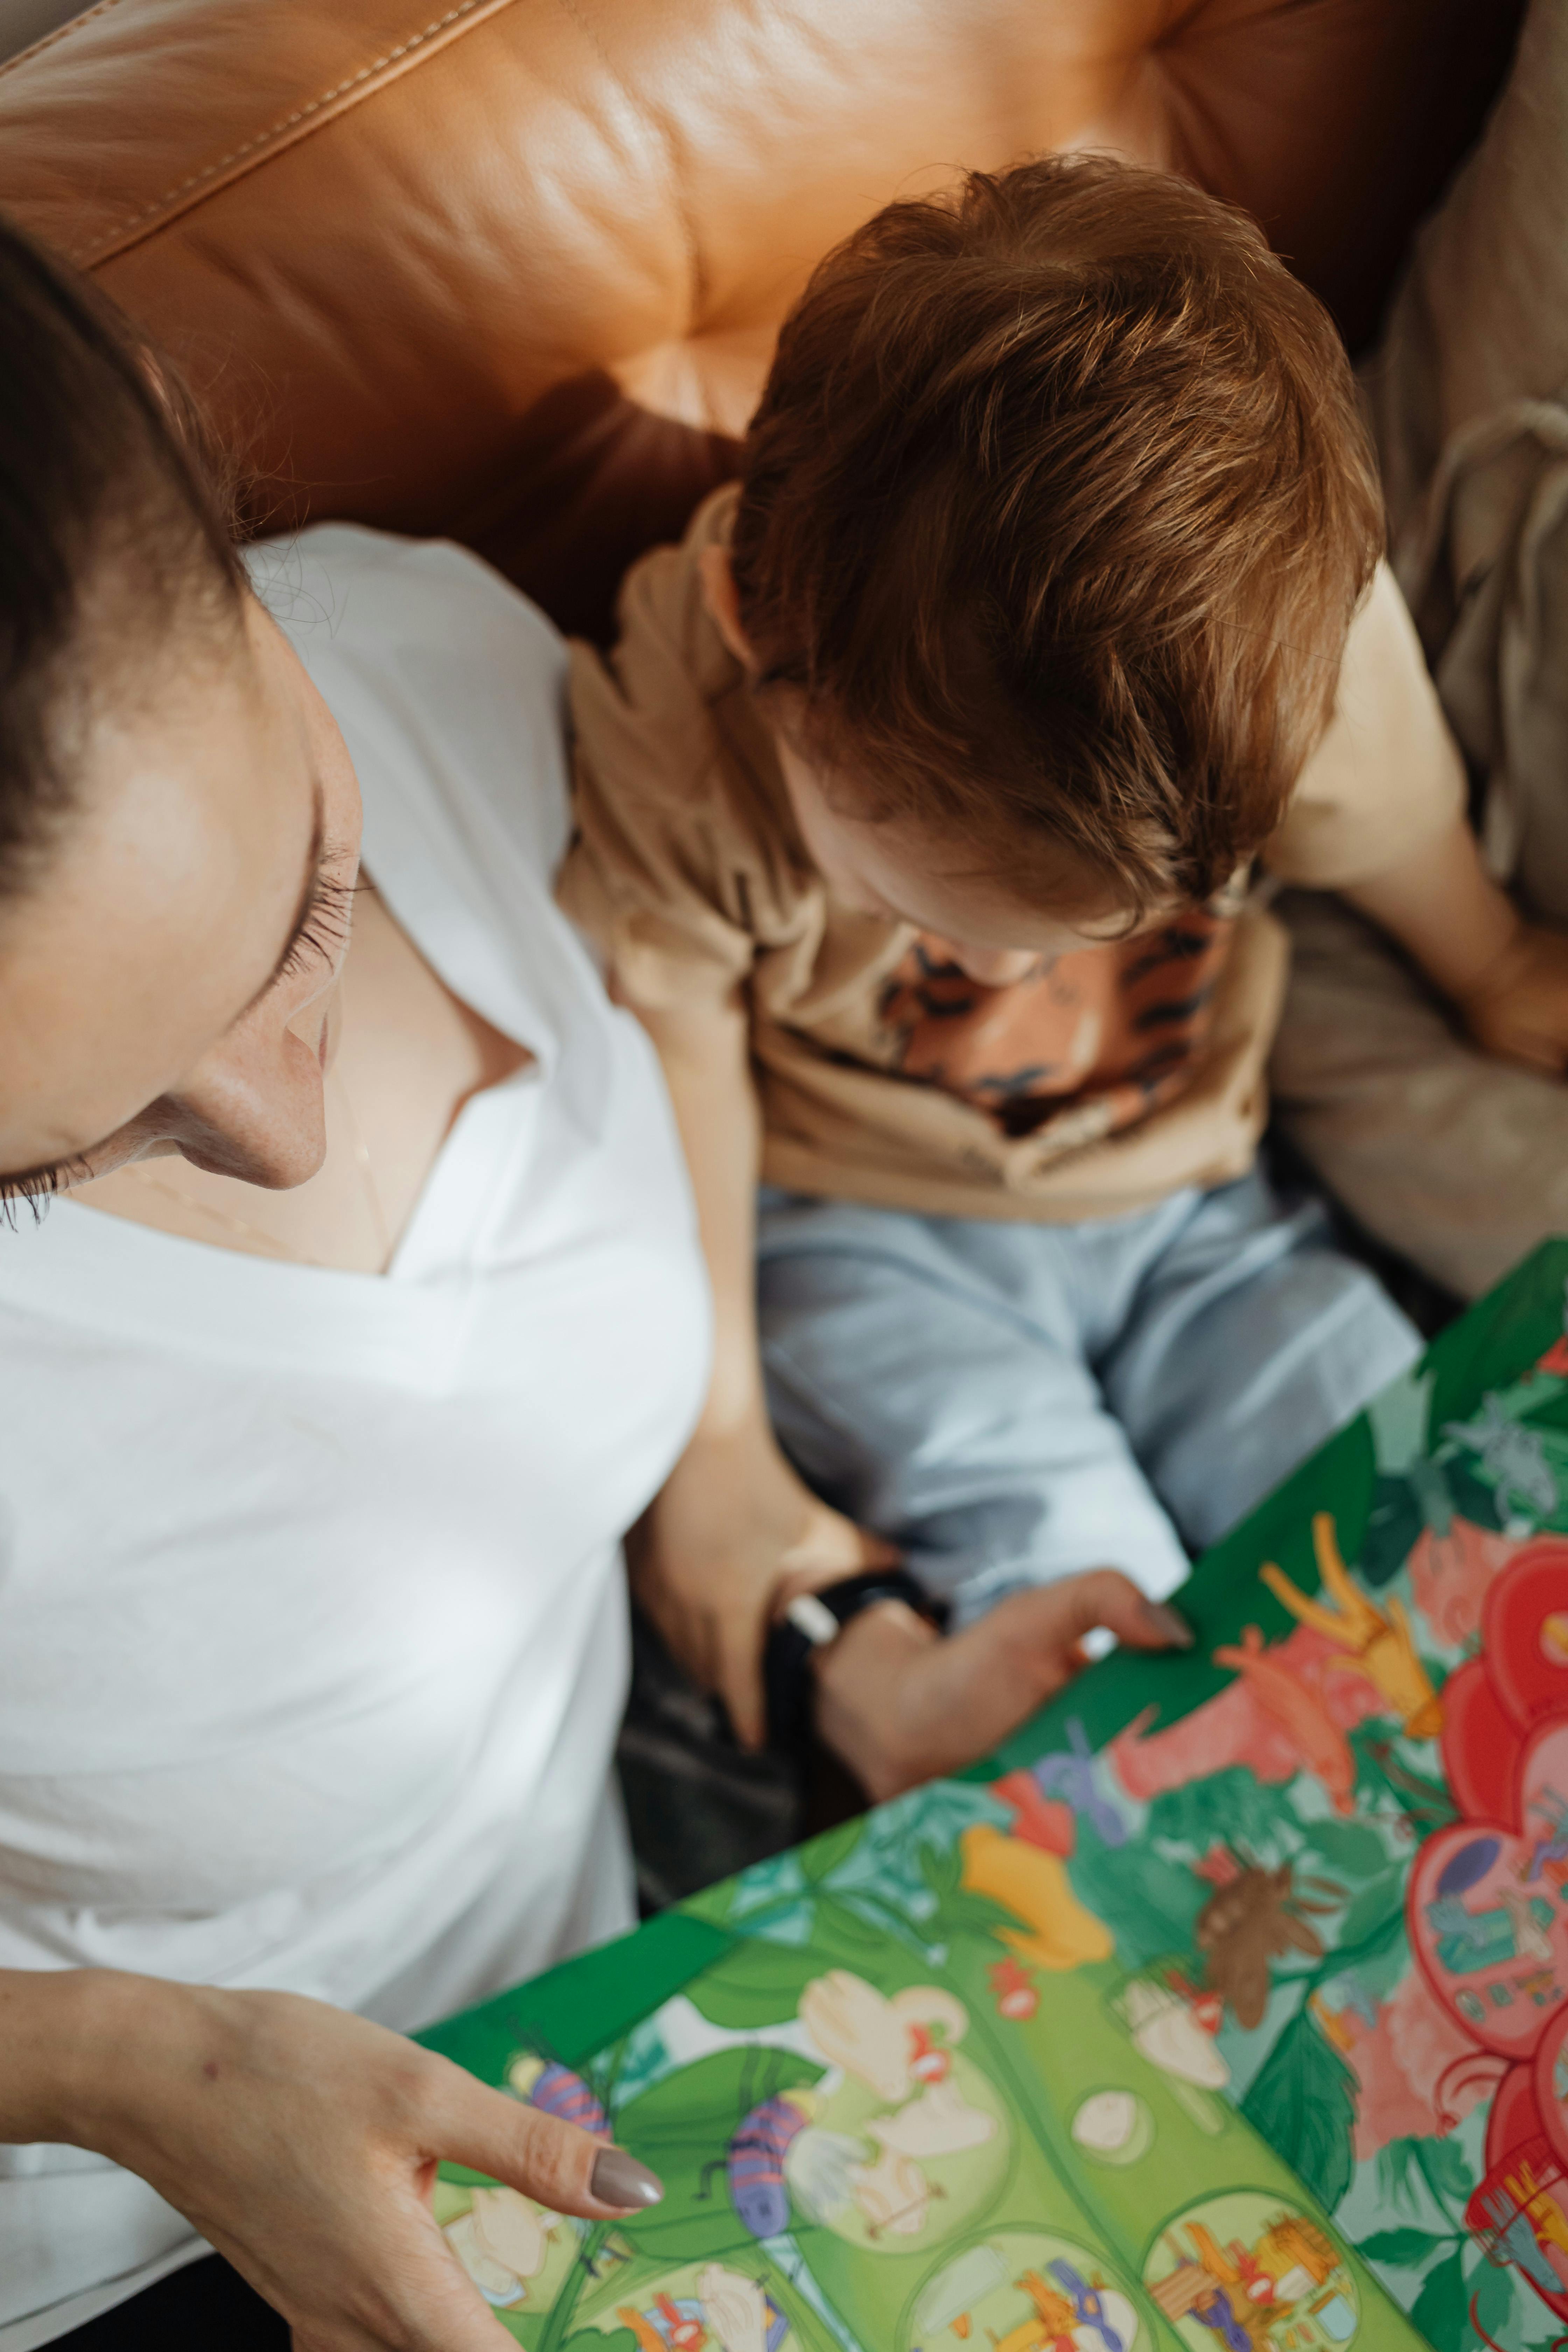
319,937
324,927
35,1187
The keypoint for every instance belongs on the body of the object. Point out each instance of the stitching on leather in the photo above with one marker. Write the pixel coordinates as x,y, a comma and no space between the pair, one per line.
289,122
61,33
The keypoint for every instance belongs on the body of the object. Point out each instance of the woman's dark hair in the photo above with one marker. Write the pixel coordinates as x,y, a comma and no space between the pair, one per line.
114,530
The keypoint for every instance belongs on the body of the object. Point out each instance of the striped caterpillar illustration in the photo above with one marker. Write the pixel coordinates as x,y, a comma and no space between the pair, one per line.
755,2163
555,2090
821,2165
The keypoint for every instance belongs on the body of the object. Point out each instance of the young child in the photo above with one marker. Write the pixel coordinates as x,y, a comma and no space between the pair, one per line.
916,810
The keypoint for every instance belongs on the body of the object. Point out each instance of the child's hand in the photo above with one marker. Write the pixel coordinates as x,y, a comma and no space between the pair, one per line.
902,1704
732,1535
1519,1009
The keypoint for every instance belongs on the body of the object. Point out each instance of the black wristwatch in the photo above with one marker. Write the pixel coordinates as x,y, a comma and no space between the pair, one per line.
810,1623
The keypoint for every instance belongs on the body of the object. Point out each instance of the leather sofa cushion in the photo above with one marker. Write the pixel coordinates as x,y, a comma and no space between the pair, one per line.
512,268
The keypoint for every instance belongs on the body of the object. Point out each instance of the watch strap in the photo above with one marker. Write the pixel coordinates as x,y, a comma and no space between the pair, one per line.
811,1622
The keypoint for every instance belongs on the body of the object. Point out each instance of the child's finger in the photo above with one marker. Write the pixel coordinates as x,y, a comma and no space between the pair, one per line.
1066,1612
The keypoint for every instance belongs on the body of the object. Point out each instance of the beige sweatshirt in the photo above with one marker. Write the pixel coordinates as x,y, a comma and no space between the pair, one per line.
1113,1078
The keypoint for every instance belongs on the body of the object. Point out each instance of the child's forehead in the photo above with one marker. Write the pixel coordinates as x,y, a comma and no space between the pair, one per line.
1005,893
936,881
997,886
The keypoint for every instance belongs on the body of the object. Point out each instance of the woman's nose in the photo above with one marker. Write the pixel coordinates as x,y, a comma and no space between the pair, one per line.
255,1112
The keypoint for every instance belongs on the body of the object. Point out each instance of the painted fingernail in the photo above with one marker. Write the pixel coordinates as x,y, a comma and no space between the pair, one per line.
619,2179
1169,1623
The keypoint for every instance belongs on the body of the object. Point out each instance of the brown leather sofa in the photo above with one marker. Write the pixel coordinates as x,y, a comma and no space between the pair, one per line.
510,269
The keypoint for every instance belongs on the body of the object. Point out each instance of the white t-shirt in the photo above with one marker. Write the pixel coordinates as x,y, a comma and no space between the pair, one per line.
312,1642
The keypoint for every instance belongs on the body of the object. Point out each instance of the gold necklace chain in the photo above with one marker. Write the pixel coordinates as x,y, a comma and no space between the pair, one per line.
143,1173
361,1161
189,1201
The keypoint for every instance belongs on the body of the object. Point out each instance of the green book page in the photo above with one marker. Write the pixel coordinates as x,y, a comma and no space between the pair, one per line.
1226,2008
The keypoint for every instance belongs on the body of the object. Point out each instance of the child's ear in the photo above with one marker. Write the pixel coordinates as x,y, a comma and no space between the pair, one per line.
723,603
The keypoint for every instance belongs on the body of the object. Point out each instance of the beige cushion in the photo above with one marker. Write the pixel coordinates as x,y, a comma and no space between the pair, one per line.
1471,402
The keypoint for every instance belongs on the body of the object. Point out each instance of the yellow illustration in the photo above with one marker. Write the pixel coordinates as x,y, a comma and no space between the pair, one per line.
1025,2291
1339,2026
714,2309
1242,2271
1056,2315
1035,1887
1542,2212
1382,1648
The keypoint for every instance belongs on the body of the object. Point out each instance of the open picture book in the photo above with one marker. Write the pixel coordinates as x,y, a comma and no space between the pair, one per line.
1228,2007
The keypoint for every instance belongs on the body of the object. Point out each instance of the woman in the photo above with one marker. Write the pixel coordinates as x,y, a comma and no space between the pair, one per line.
311,1641
373,1317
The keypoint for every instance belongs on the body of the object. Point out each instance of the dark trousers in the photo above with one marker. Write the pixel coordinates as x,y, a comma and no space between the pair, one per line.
206,2307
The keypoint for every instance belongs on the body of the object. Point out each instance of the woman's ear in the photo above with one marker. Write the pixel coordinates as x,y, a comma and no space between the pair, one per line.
723,603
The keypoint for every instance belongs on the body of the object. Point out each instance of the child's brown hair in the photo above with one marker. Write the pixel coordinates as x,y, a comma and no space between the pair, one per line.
1052,520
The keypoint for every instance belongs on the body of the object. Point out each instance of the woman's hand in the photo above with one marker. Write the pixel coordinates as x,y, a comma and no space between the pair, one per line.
302,2143
733,1537
901,1705
1518,1008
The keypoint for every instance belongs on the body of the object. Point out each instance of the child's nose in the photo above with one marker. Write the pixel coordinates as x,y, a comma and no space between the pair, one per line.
998,967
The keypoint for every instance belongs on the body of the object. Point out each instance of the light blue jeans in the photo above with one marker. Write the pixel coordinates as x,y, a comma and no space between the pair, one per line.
1014,1402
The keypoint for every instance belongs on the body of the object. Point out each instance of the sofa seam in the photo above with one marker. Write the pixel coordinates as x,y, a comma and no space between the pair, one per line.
61,33
288,127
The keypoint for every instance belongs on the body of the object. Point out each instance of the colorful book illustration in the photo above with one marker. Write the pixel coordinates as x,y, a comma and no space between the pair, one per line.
1227,2008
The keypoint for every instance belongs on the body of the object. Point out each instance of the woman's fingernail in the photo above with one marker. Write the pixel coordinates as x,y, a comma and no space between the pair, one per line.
619,2179
1169,1623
